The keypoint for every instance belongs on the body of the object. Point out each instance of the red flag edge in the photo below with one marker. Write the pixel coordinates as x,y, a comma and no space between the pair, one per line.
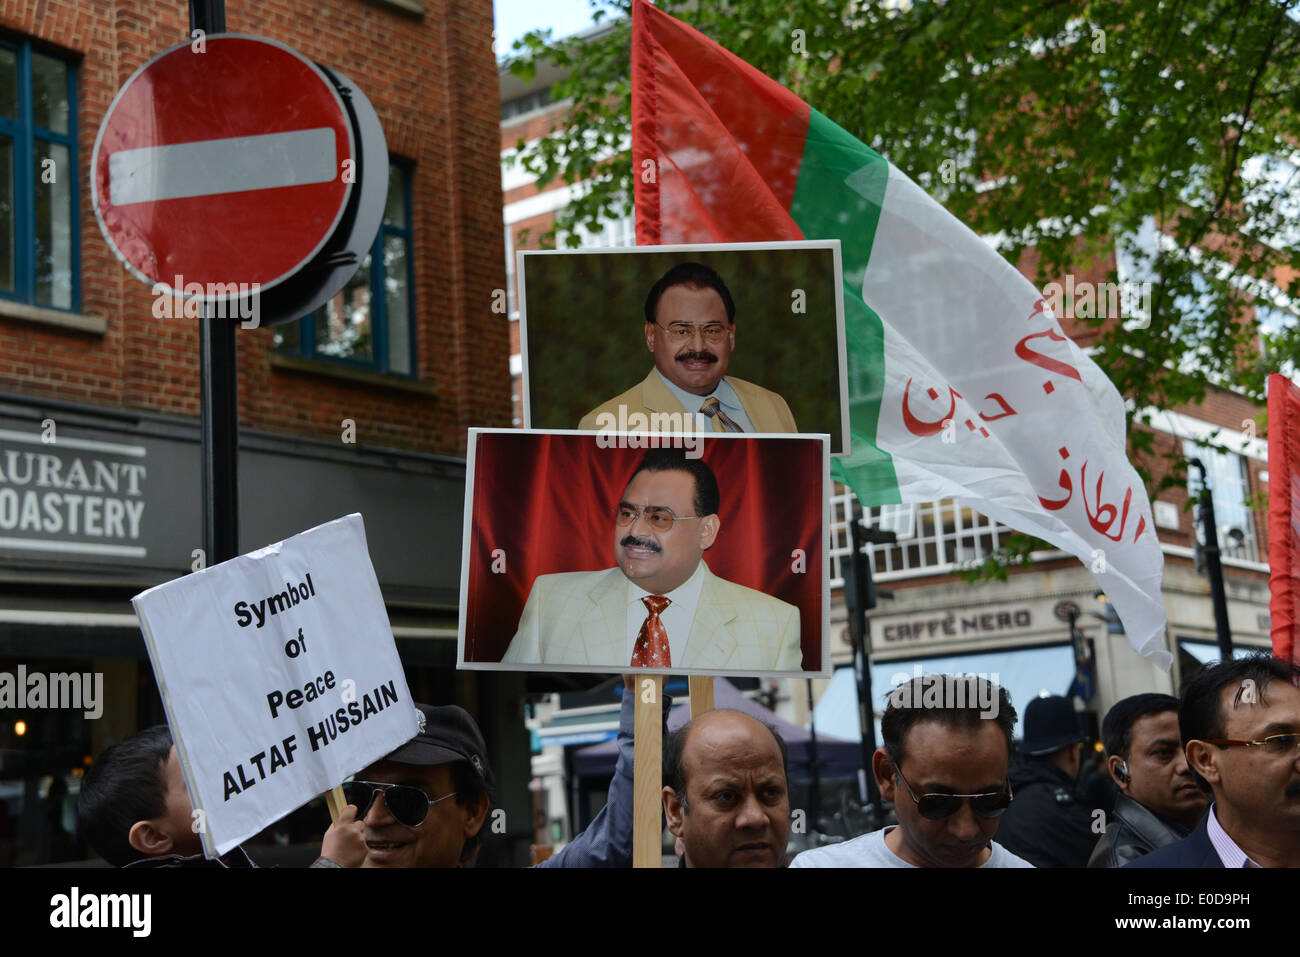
1282,464
645,127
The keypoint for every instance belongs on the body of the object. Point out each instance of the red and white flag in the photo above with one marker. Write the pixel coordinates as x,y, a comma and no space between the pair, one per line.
972,393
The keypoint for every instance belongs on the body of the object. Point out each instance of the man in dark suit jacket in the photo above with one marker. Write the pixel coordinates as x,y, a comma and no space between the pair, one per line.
1046,823
1195,850
1240,725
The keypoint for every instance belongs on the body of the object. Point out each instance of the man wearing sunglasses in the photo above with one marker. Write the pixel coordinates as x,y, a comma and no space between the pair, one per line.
661,606
1240,726
690,329
425,804
947,743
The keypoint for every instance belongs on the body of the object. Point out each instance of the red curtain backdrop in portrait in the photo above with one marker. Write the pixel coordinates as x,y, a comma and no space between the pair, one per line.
1284,515
545,503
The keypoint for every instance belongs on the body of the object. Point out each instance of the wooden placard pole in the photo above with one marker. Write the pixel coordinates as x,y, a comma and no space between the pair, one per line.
701,691
647,773
336,802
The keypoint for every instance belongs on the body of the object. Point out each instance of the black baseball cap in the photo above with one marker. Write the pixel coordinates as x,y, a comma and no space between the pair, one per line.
447,734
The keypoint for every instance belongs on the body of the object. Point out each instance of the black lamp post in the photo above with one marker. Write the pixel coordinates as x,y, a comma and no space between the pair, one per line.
1213,566
860,595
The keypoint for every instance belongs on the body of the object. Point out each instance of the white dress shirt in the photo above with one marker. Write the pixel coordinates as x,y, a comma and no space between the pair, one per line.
1229,852
725,395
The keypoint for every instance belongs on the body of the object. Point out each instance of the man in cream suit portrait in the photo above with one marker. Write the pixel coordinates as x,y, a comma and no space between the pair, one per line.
690,330
660,606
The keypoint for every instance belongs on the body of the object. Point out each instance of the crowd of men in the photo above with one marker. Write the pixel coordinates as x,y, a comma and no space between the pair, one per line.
1209,779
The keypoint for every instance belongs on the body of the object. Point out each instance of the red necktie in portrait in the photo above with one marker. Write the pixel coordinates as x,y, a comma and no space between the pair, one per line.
651,648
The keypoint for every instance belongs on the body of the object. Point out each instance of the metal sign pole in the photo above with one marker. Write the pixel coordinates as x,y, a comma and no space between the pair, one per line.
219,418
854,596
814,767
1213,564
218,389
860,597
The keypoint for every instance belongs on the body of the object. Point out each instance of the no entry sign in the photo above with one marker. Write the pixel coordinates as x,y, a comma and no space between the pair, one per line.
232,165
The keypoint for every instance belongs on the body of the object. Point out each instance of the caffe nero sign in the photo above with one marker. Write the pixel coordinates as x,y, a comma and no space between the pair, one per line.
65,496
956,625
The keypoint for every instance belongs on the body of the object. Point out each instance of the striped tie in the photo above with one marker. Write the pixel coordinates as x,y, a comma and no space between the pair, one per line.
713,409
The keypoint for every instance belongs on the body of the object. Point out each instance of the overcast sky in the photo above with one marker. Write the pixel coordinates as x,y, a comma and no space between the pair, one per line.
514,18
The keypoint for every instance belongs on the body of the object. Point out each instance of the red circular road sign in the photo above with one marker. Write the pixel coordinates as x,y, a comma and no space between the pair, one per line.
229,165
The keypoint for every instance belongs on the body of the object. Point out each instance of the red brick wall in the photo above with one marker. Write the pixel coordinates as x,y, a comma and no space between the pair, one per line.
434,85
1229,411
531,127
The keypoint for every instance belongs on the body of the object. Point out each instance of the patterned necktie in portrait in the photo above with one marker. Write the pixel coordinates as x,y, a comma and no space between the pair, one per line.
713,409
651,648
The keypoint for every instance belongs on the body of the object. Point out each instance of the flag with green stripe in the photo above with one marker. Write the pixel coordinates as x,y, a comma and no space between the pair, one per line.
962,385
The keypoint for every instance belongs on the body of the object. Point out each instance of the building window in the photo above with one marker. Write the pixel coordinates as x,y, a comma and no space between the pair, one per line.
932,537
370,323
38,178
526,103
1026,673
1229,485
613,234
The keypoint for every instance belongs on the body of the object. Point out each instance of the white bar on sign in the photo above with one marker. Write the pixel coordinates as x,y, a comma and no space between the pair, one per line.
67,443
233,165
75,548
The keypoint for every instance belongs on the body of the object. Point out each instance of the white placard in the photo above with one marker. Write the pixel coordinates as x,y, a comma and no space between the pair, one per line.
280,677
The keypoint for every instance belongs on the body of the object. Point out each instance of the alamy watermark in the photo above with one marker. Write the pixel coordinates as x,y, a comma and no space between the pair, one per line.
1100,300
227,300
945,692
79,691
75,910
653,430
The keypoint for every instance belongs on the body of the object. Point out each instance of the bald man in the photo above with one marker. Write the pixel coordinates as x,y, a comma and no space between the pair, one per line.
726,791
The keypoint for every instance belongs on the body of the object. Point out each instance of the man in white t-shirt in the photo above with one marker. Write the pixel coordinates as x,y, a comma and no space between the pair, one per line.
947,744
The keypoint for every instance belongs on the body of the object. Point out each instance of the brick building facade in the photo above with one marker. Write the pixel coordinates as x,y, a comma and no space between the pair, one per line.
362,407
430,80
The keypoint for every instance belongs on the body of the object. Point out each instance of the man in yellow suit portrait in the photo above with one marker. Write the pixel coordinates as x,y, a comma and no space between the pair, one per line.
690,330
660,606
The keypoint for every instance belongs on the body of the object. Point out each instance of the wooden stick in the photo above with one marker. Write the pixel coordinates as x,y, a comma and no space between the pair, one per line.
336,802
701,691
647,773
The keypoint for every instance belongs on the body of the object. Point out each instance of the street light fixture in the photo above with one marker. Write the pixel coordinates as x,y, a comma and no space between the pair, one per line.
1110,618
1084,685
